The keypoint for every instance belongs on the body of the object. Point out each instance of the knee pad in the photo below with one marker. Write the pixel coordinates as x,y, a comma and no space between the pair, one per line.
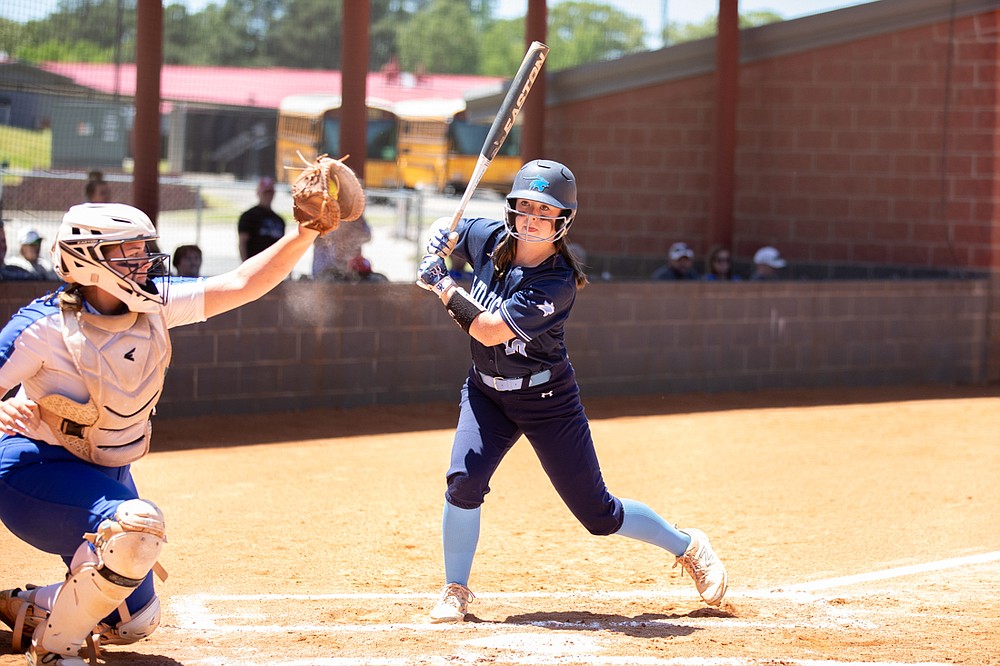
129,544
464,492
103,575
132,629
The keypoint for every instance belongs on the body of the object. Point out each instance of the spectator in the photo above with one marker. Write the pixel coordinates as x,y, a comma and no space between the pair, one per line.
359,269
333,252
97,190
8,271
680,265
260,227
30,258
719,265
187,261
767,264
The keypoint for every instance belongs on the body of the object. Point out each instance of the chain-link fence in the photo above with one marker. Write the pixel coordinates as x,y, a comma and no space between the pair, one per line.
204,210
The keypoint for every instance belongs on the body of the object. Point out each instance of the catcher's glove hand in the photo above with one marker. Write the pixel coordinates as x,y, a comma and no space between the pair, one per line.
326,193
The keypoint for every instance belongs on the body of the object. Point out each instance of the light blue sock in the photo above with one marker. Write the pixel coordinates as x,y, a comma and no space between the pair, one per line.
461,535
642,523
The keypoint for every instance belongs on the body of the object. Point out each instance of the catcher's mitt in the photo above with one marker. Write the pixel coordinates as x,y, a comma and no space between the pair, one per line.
325,193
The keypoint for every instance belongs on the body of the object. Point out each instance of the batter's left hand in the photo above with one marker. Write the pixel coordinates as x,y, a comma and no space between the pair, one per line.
432,274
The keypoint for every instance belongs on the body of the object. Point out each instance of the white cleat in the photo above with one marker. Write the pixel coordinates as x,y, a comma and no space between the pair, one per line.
453,605
707,570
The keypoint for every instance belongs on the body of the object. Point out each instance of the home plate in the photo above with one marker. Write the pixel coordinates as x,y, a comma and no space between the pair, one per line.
561,645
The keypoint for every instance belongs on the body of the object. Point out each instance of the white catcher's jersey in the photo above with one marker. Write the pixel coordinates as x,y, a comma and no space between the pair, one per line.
117,363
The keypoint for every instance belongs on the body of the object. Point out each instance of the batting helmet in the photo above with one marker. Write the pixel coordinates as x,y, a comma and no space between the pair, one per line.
79,254
548,182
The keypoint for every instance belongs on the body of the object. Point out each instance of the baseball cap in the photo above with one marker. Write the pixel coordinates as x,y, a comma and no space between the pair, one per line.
360,265
30,237
678,250
769,256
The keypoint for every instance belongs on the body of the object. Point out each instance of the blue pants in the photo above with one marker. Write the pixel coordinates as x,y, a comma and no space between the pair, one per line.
551,418
49,498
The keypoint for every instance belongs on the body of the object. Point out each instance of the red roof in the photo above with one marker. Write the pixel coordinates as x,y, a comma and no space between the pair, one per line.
265,88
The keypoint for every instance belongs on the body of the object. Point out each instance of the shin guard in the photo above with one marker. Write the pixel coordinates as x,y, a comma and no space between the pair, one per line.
105,570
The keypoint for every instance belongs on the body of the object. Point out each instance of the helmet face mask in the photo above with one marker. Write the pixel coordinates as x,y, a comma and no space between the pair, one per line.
560,223
90,250
546,182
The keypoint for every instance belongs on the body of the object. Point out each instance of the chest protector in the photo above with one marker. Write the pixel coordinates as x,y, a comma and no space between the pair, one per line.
122,359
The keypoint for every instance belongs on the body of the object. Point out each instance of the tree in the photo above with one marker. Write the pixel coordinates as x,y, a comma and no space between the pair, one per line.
578,32
57,50
184,38
502,48
675,32
441,39
308,35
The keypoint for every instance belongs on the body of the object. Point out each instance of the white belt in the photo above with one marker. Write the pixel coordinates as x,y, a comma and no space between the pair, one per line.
516,383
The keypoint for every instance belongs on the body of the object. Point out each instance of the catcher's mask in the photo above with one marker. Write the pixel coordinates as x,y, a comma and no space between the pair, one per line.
80,254
548,182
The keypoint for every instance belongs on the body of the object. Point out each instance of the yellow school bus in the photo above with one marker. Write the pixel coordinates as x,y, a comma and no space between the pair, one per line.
439,147
310,124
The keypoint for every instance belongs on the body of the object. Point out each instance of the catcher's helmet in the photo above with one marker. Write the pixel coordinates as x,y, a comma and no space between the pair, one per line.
79,253
548,182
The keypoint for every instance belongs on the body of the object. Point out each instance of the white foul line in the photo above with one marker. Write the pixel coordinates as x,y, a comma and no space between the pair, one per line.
885,574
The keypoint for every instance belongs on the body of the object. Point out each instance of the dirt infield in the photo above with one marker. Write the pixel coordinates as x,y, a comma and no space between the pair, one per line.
860,527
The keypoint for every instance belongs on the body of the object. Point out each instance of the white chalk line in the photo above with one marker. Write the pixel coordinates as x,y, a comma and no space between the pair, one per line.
193,615
886,574
793,592
555,660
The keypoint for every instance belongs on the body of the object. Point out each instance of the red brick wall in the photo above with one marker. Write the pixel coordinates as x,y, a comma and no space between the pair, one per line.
876,155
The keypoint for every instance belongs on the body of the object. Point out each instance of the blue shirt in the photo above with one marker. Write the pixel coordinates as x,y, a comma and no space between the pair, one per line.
534,302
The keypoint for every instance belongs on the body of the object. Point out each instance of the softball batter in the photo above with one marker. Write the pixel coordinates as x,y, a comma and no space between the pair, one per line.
90,362
524,284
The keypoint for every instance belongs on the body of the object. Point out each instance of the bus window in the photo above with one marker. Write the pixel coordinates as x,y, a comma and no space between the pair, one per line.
467,139
438,147
310,124
465,142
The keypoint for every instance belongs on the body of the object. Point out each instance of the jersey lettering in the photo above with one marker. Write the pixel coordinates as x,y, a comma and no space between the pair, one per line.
515,346
489,300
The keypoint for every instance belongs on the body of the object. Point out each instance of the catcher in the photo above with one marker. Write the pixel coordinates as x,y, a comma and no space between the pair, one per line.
90,360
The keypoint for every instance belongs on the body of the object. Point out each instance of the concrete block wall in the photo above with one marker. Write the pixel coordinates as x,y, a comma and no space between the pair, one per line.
307,345
312,345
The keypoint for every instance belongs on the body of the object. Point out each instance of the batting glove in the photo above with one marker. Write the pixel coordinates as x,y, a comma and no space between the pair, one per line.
442,242
432,275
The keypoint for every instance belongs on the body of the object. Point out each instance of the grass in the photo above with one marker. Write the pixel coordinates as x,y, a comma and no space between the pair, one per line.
25,149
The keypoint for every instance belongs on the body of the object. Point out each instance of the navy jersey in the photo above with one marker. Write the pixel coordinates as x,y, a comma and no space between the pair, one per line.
534,302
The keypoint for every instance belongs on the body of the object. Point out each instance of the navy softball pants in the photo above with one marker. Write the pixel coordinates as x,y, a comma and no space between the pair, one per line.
551,418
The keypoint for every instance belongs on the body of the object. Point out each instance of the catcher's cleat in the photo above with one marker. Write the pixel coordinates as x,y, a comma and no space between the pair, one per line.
38,657
21,615
453,605
707,570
